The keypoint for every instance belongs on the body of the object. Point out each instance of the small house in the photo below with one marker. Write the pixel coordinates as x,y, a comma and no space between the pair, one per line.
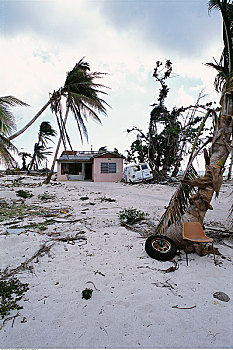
90,165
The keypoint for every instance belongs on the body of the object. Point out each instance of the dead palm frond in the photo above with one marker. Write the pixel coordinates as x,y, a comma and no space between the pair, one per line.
180,199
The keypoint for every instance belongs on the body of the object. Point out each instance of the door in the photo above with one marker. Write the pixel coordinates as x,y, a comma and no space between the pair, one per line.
88,171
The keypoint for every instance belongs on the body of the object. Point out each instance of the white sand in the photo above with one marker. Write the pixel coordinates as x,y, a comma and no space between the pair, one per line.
132,304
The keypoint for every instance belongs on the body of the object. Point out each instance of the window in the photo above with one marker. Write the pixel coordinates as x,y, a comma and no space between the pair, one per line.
108,168
71,168
144,166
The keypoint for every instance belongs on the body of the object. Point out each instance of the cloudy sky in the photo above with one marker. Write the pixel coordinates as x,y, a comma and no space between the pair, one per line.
43,39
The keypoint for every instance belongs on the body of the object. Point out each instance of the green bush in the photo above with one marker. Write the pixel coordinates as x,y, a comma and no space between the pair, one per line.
87,293
11,291
131,216
24,194
85,198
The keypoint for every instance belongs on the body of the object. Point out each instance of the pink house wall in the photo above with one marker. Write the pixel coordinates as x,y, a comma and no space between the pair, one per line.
60,177
110,177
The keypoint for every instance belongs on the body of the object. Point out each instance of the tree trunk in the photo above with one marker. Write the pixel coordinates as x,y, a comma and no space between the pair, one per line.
230,168
47,181
31,122
212,180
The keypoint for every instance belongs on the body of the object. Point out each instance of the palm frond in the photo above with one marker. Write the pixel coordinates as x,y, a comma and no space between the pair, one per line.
75,108
178,203
214,4
5,147
12,101
7,120
180,199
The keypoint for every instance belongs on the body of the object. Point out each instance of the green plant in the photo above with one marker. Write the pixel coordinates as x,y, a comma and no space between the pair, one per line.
131,216
24,194
84,198
105,199
11,291
87,293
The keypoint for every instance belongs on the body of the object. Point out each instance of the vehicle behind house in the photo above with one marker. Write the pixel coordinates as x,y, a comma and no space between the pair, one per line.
138,173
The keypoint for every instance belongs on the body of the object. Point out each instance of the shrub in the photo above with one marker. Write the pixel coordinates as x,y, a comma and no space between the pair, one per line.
24,194
131,216
84,198
105,199
11,292
87,293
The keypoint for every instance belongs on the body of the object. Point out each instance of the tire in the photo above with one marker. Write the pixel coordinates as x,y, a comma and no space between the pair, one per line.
160,247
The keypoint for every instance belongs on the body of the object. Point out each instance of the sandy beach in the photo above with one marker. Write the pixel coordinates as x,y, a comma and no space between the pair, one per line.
135,303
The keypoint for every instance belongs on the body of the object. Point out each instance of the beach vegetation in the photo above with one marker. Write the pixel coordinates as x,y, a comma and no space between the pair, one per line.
11,292
131,216
193,196
87,293
171,133
41,151
81,92
107,199
84,198
24,194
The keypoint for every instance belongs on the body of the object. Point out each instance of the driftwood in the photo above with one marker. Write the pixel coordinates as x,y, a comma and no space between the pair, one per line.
183,308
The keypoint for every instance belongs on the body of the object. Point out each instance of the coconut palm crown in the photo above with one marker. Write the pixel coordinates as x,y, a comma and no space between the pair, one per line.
225,65
81,94
7,126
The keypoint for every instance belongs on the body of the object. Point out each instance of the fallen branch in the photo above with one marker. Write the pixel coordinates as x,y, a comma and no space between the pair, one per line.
171,268
183,308
93,285
8,319
70,238
24,266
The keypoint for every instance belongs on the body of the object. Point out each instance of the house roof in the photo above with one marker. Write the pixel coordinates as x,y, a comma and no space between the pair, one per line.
105,154
77,157
86,156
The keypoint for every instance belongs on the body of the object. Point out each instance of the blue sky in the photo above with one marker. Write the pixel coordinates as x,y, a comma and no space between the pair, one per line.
41,40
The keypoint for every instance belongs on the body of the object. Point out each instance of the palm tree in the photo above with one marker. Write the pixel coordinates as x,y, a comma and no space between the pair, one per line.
7,126
41,153
198,203
45,133
81,93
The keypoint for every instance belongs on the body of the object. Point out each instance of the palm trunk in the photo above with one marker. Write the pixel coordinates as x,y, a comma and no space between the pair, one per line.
31,121
47,181
230,168
212,180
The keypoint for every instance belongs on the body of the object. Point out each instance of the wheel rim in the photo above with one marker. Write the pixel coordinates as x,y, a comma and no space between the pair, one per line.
161,244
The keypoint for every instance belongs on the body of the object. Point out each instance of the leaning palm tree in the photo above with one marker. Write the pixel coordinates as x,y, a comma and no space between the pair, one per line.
41,153
7,126
81,93
45,133
79,88
82,100
186,206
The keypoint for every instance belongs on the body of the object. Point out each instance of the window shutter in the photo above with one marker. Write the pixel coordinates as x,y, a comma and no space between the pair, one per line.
108,168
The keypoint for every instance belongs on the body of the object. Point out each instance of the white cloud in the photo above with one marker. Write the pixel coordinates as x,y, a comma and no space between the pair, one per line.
34,64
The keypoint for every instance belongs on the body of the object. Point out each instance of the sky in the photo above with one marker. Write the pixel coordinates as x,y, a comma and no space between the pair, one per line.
41,40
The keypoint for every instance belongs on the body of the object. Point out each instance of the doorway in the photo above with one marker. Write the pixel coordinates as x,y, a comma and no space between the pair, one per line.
88,171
